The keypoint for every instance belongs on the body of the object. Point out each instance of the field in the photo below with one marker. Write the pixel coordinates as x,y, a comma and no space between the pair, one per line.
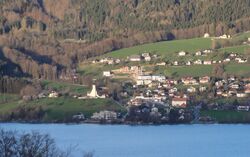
62,86
241,49
228,116
202,70
59,109
165,48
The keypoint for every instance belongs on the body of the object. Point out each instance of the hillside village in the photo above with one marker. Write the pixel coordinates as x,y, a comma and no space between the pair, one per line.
152,92
150,96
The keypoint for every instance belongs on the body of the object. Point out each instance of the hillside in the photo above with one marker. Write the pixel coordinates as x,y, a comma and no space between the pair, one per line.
47,39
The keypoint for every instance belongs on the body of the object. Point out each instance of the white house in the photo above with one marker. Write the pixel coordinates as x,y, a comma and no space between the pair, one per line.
241,95
107,73
198,53
204,79
225,36
105,115
243,108
53,94
207,62
191,90
176,63
206,35
182,53
198,62
135,58
146,57
188,63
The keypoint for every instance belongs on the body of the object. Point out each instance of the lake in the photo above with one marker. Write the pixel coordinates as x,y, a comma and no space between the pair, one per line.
213,140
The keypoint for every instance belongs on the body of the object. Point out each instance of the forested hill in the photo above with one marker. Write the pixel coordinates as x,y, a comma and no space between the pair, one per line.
46,38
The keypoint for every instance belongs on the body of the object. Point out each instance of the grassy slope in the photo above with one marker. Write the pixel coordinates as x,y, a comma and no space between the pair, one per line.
65,107
228,116
165,48
60,86
203,70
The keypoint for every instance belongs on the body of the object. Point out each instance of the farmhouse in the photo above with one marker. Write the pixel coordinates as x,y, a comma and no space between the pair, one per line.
53,94
161,64
191,90
188,63
198,62
198,53
182,53
204,79
176,63
146,57
202,89
241,95
107,73
189,81
206,35
135,58
207,62
179,102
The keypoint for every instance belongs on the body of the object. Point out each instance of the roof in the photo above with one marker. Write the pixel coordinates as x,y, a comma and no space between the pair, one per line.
179,99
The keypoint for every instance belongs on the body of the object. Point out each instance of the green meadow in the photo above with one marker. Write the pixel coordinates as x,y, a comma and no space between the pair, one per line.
59,109
164,48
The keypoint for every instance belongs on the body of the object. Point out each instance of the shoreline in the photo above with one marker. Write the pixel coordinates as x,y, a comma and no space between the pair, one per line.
126,123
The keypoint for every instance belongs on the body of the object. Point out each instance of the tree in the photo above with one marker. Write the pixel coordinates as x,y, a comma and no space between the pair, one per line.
28,145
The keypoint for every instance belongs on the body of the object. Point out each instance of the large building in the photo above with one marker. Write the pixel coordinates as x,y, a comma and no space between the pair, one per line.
179,102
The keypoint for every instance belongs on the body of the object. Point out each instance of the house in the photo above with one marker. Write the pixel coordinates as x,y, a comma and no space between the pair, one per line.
243,108
188,63
225,36
242,61
146,57
104,115
206,35
247,91
219,92
227,60
107,73
191,90
198,62
161,64
53,94
198,53
202,89
143,82
241,95
207,51
204,79
182,53
234,86
117,61
176,63
159,78
179,102
135,58
233,55
189,81
207,62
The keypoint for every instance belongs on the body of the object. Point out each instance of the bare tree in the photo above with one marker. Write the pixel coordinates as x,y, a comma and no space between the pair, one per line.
13,144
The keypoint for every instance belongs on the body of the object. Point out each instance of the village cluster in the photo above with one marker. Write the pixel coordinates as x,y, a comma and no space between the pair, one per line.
154,91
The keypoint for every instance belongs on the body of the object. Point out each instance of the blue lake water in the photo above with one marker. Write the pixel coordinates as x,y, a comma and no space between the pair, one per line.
147,141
